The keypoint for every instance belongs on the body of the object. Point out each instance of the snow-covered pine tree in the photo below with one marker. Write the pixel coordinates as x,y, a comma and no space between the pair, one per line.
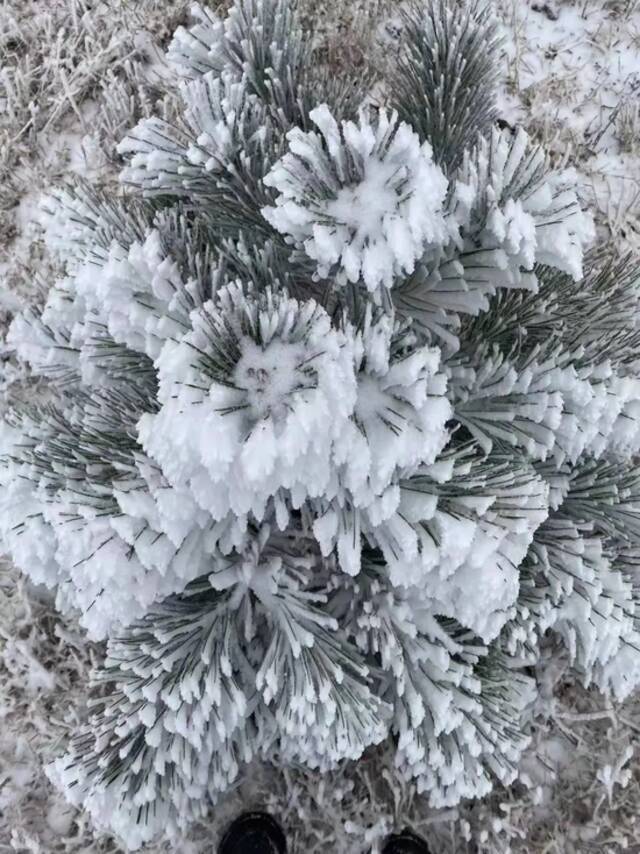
337,427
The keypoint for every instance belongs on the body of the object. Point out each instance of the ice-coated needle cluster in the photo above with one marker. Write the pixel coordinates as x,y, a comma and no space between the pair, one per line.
364,200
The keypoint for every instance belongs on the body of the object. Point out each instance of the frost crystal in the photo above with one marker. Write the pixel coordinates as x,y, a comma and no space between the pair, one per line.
364,200
339,424
506,197
400,411
252,401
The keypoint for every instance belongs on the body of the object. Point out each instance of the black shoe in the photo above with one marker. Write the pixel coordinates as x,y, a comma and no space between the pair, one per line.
254,833
405,843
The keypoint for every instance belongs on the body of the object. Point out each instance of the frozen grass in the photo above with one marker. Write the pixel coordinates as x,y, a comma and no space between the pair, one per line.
573,81
74,74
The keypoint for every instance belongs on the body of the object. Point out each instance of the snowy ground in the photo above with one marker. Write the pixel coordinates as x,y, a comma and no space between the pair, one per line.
73,75
574,82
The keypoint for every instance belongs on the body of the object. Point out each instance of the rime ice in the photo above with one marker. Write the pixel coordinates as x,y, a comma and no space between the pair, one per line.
341,422
363,200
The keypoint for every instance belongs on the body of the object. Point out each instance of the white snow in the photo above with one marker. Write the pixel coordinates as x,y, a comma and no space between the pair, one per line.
381,200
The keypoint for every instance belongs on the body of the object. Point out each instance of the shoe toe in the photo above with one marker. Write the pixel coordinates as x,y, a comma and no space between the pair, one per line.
254,833
406,843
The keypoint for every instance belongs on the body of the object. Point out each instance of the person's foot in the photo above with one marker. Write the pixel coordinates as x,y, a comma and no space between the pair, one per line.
254,833
405,843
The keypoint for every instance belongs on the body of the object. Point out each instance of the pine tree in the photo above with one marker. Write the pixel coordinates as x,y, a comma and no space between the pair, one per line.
341,422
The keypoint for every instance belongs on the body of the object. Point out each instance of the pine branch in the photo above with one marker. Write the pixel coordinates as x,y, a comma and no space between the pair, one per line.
444,80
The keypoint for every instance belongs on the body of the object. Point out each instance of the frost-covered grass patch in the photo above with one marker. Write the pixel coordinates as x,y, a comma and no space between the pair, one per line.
574,83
